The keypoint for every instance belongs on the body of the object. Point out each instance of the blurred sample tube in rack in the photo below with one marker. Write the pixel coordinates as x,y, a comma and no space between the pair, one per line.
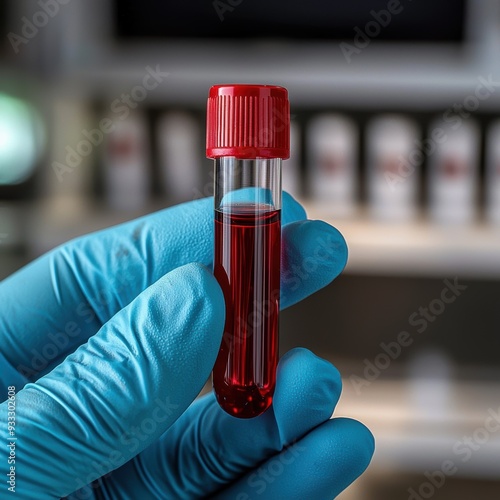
332,141
291,167
126,164
70,178
453,171
492,178
392,168
178,137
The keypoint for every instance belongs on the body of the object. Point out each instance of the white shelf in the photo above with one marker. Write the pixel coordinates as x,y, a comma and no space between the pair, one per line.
418,248
413,435
412,249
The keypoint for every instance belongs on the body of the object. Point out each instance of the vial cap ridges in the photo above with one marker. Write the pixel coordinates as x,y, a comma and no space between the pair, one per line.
248,121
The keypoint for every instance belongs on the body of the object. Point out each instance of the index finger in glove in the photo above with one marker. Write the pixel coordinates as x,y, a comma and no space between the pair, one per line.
59,301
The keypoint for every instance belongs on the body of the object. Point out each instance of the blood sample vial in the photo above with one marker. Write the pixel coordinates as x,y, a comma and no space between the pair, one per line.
248,136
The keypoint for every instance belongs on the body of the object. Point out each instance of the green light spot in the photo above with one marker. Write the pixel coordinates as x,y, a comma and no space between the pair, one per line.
21,139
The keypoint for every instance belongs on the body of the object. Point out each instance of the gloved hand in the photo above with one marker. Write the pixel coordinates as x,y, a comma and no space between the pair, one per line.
112,337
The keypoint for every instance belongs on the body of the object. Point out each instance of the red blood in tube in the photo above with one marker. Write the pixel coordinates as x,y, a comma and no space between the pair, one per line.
247,266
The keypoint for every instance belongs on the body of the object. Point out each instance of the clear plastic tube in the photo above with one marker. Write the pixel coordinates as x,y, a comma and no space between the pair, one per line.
248,136
247,266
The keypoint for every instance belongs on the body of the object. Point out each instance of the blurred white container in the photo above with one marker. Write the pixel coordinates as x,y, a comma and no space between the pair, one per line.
332,165
453,172
430,387
178,136
72,154
492,177
393,160
291,167
126,163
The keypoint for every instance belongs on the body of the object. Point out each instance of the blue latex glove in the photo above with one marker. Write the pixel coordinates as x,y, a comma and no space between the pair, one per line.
112,337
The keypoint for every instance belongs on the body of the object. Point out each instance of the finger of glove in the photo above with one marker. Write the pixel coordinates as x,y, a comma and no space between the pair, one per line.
314,254
207,449
320,465
119,392
57,302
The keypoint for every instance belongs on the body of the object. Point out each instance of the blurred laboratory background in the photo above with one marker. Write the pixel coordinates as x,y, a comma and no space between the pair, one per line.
395,140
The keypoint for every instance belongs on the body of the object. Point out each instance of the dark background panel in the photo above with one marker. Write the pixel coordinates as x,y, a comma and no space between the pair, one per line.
423,20
353,315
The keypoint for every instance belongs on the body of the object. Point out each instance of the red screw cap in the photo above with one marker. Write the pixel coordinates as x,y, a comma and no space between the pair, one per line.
248,121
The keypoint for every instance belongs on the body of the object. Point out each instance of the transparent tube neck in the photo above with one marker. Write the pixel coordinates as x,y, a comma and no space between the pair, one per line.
251,182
